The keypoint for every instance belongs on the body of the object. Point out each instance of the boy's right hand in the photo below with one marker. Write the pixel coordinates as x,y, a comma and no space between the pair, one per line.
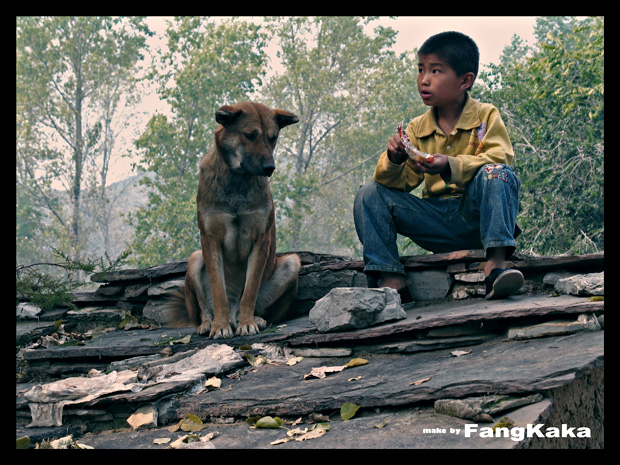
396,150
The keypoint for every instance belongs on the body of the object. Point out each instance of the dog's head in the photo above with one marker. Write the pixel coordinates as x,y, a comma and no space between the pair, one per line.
247,136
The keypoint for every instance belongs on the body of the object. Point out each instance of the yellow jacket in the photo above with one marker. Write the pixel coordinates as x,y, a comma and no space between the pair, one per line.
478,138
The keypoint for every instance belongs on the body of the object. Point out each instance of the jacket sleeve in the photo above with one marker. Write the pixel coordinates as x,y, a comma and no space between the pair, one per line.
494,147
405,176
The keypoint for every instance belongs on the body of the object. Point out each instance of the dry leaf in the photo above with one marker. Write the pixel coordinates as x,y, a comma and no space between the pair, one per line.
382,424
143,416
356,362
321,372
294,360
355,379
213,382
458,353
161,440
420,381
298,434
318,417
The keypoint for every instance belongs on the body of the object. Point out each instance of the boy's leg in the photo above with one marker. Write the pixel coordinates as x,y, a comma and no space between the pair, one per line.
493,196
381,213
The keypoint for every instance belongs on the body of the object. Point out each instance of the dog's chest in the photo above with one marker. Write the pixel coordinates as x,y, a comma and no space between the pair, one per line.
237,231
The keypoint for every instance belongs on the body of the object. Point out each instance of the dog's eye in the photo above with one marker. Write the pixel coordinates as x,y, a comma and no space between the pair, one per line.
251,136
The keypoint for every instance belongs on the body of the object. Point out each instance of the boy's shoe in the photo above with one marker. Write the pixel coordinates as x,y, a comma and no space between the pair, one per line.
501,283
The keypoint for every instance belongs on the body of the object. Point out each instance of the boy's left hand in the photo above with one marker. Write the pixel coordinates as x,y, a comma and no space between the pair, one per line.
437,166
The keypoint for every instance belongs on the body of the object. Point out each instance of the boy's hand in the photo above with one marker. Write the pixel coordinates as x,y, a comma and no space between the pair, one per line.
439,165
396,150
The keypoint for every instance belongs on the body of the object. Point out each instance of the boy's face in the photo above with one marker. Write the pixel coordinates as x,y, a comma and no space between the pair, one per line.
438,84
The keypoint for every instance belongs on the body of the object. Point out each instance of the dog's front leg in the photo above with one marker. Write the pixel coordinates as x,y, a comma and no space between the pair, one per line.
254,276
212,255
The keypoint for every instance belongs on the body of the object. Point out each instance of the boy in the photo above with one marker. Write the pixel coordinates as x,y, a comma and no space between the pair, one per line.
470,198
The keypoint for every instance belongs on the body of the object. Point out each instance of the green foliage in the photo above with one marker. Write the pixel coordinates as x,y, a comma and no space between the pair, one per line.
551,97
48,290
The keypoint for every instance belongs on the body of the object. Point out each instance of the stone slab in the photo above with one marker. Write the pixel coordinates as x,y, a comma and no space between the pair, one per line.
401,429
457,313
497,367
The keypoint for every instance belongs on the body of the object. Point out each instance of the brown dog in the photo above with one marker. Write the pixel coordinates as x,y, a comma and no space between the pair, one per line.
236,279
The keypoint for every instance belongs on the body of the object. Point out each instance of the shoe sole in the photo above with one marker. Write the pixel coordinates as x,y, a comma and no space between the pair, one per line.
509,282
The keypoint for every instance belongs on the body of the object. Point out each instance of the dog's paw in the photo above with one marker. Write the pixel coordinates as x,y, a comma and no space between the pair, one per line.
248,329
204,327
260,322
220,331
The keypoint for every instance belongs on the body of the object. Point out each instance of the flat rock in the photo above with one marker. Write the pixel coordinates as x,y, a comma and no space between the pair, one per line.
387,380
419,428
456,313
583,284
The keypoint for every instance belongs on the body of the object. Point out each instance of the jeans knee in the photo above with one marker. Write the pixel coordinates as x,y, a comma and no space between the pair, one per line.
500,172
367,192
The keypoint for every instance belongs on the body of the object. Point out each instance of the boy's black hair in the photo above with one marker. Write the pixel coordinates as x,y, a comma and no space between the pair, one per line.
459,50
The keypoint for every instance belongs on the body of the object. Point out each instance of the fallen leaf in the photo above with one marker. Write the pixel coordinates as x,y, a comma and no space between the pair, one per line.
252,420
382,424
420,381
294,360
256,361
293,432
188,423
161,440
458,353
191,423
321,372
299,434
356,362
185,440
318,417
269,422
348,410
143,416
213,382
355,379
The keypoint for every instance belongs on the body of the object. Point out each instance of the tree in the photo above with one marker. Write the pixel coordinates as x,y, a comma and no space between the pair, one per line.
66,68
208,65
551,97
349,90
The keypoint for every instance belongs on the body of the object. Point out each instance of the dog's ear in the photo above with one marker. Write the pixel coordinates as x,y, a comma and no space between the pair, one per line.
227,114
284,118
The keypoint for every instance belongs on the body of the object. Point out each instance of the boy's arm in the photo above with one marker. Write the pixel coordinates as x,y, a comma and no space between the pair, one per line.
395,169
495,147
404,176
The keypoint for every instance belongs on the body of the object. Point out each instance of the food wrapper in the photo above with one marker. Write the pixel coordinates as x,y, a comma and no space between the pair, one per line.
411,149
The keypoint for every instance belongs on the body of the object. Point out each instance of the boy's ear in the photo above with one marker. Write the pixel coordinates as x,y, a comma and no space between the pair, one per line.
467,80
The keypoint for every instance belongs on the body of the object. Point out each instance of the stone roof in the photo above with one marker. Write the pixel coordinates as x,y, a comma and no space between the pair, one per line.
544,345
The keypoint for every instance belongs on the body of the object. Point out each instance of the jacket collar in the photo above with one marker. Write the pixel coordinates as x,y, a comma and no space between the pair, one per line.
469,118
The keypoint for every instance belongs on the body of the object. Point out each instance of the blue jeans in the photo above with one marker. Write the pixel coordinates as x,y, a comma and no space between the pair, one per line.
484,216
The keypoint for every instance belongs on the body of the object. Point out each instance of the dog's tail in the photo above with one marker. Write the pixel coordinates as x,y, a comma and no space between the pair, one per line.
177,315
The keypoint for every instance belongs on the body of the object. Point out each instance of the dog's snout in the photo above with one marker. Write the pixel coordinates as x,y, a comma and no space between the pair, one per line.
268,169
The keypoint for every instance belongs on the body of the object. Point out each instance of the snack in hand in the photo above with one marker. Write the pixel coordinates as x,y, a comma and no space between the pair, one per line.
411,149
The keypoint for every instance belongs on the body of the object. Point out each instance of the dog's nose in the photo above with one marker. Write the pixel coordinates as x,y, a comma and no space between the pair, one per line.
268,169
